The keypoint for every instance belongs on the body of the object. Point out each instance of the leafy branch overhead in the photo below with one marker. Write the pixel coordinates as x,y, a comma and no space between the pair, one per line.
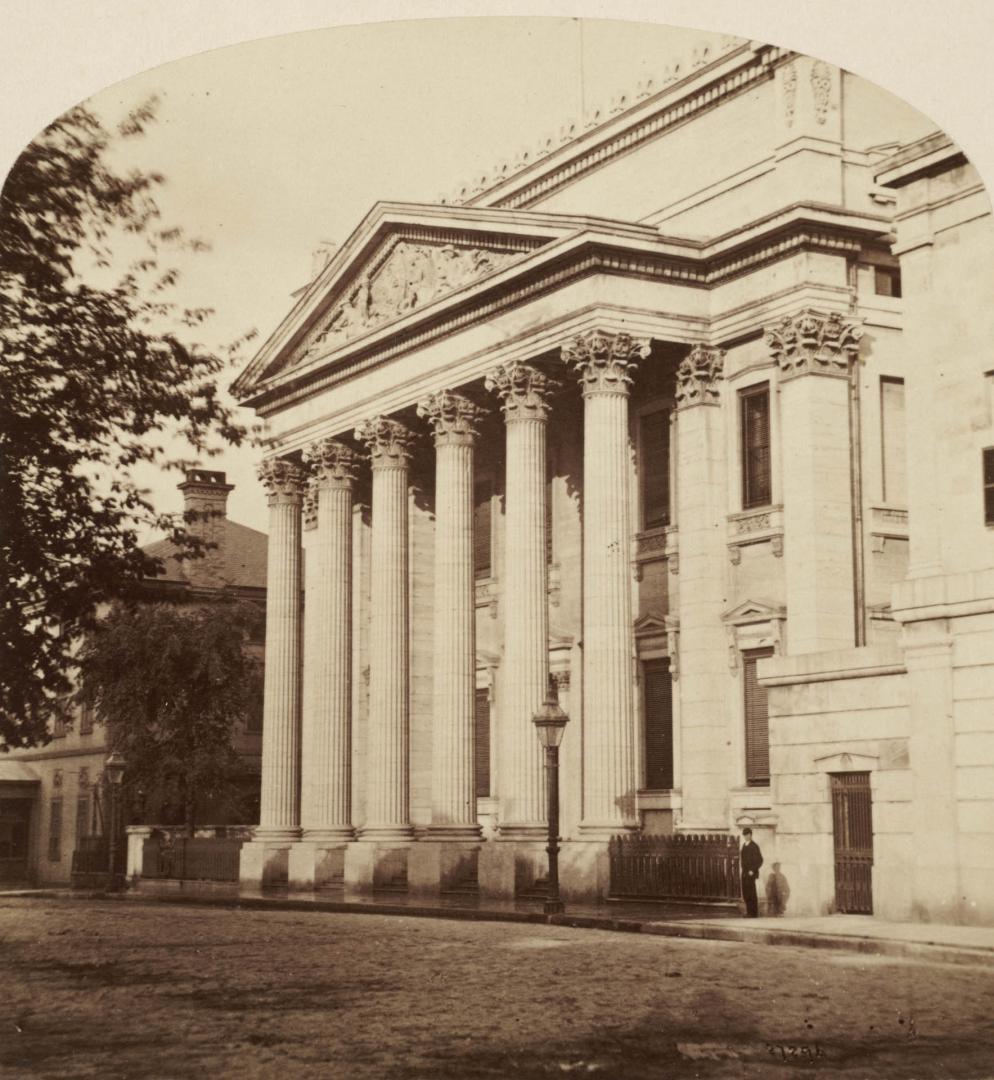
97,376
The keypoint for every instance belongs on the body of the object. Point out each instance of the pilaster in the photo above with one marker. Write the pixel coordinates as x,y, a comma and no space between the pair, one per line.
814,352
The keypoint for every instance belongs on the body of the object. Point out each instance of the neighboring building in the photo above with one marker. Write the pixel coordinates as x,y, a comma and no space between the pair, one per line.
664,362
51,796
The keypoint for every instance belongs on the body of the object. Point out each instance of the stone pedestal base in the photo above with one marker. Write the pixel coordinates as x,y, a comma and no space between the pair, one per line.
436,865
509,867
314,865
137,835
370,866
264,862
584,870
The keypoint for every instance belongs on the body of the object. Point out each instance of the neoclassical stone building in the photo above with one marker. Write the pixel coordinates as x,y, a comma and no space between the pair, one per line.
623,422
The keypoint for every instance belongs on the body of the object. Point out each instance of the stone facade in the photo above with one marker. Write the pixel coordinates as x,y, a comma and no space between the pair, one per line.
630,423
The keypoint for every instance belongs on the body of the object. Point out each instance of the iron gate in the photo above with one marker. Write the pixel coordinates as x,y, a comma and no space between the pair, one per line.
852,820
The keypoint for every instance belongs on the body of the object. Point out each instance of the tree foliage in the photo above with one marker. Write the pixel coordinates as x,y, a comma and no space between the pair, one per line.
94,380
173,683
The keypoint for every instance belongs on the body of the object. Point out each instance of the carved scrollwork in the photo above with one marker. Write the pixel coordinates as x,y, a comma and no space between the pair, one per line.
283,480
523,391
309,505
814,342
453,417
604,361
390,442
789,93
698,379
821,89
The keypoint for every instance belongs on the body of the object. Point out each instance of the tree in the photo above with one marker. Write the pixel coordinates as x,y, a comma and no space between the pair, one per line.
173,683
93,381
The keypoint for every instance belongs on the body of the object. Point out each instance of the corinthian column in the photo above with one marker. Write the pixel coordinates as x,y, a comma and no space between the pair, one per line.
705,764
387,783
453,802
279,816
523,391
604,363
814,351
326,806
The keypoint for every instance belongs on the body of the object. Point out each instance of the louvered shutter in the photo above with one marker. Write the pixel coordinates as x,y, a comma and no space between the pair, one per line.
989,485
757,724
658,711
481,529
756,479
655,468
482,755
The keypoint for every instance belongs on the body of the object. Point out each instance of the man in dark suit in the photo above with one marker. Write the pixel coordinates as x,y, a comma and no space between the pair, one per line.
751,859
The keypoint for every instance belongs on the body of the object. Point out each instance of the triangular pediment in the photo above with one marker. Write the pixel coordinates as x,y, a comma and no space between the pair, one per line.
750,611
653,622
402,260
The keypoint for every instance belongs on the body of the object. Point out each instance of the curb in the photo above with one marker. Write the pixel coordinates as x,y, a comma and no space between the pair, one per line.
936,952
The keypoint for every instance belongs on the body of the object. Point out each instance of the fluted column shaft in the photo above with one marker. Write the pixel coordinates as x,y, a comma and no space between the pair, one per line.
326,805
604,363
279,815
388,750
453,806
521,776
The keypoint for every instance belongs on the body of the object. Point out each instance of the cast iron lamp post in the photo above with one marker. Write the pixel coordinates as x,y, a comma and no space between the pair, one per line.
550,723
114,771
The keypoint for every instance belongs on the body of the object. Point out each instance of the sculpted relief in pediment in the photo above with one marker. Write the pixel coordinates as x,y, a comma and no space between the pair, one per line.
412,275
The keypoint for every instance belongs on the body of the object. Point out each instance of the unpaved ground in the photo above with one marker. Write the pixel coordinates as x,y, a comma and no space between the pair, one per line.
120,989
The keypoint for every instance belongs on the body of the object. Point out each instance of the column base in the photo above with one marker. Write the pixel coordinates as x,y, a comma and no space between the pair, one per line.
461,833
524,831
372,865
380,834
585,869
508,868
275,835
263,863
435,866
314,864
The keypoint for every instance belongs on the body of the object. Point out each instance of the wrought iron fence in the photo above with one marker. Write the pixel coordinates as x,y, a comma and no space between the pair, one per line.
91,856
685,867
192,859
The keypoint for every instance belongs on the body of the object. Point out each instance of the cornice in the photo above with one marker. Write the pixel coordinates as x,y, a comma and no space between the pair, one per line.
692,263
731,74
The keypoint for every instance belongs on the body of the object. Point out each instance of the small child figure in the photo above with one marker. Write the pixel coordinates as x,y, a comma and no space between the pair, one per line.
777,891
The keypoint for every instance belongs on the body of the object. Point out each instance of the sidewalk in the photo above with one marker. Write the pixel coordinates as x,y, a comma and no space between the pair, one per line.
858,933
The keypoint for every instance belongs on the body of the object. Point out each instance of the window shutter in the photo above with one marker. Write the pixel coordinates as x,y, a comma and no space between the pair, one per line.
655,468
658,701
989,485
757,724
55,831
756,477
482,755
483,492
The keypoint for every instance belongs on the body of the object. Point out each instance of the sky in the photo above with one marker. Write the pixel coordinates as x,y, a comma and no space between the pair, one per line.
273,145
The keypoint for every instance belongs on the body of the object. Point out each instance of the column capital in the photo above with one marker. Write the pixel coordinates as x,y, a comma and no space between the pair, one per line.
523,391
698,379
814,343
309,505
331,463
284,480
604,361
453,417
390,442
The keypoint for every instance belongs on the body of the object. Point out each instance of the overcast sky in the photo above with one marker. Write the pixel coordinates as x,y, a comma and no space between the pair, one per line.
273,145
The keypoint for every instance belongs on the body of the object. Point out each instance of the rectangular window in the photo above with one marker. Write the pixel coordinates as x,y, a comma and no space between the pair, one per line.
657,700
55,831
654,448
754,405
83,811
482,756
886,281
757,723
892,441
989,486
86,719
482,541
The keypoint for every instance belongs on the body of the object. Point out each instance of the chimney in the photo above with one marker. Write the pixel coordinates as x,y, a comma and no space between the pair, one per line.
205,494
